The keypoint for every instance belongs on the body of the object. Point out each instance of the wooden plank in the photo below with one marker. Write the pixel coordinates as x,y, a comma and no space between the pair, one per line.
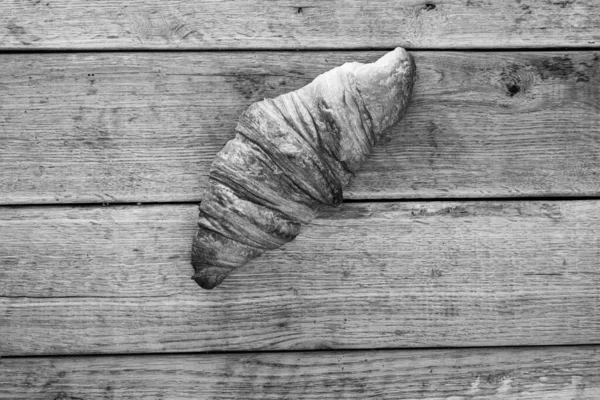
544,373
373,275
339,24
144,127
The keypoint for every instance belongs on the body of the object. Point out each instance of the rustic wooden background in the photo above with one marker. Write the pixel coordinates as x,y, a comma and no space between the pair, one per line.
464,263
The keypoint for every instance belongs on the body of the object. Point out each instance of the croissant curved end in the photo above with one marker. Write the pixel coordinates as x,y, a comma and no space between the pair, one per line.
384,85
209,277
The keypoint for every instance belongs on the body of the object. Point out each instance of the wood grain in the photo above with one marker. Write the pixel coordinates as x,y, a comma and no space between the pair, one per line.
144,127
339,24
551,373
375,275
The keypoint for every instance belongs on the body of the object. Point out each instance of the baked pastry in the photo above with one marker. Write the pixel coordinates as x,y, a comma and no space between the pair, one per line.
292,155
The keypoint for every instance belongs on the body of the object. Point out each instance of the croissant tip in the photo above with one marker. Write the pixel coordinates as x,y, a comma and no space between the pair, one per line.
209,279
204,283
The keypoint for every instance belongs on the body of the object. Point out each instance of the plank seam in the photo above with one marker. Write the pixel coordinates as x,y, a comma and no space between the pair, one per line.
336,350
88,297
295,50
348,201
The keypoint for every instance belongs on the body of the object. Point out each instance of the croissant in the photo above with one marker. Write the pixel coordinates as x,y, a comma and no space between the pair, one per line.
292,155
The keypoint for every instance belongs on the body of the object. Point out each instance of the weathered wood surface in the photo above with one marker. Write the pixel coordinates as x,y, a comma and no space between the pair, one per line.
551,373
375,275
140,127
145,24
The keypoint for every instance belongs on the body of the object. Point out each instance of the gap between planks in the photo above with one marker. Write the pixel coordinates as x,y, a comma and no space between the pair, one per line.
346,201
312,351
564,49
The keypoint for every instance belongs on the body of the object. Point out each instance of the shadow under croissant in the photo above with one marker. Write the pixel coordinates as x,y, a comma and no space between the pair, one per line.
290,156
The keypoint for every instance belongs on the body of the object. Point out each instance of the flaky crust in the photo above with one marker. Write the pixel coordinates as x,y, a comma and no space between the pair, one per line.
290,156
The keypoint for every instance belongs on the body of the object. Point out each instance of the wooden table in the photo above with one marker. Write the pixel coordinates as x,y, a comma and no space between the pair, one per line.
463,264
